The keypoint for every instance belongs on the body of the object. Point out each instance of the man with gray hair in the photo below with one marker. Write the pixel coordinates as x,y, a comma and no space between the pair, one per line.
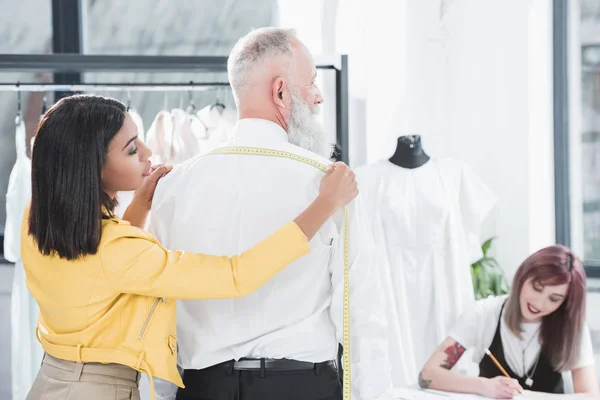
281,341
272,53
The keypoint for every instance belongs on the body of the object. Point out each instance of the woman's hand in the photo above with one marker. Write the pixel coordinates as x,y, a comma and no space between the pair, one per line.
500,387
144,195
140,205
338,186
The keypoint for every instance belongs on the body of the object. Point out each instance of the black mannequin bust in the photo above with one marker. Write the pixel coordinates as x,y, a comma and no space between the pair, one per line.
409,152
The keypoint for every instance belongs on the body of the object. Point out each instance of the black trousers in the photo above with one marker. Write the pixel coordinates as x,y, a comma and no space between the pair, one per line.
222,382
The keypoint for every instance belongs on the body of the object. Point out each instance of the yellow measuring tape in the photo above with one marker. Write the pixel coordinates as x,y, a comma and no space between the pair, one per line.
347,390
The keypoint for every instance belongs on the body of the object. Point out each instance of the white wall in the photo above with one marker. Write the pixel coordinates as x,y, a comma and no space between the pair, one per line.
474,79
501,117
540,115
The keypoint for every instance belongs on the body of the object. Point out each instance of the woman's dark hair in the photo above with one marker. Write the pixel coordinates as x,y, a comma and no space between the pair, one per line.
561,331
67,199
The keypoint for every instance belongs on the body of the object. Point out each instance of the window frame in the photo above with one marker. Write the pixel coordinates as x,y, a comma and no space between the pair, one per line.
562,162
67,37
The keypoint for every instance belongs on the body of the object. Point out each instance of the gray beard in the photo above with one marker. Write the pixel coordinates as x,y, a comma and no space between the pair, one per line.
305,131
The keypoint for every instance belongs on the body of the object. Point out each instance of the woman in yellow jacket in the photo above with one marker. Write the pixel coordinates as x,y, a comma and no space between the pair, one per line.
106,288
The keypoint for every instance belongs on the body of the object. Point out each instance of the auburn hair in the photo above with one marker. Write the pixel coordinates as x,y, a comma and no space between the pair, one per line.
561,331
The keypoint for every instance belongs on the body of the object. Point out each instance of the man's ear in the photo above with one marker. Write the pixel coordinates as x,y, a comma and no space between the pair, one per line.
280,92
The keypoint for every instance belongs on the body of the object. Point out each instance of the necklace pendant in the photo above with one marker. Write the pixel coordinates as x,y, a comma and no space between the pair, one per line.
529,382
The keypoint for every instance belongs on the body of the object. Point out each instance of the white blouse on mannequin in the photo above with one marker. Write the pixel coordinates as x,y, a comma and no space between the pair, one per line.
425,223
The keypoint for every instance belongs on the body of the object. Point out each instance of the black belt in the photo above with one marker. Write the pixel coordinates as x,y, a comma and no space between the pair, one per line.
275,364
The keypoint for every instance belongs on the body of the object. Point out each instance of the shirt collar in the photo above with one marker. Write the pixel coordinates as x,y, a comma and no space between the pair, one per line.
253,130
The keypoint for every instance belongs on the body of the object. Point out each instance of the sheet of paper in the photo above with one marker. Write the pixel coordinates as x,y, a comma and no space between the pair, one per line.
421,394
429,394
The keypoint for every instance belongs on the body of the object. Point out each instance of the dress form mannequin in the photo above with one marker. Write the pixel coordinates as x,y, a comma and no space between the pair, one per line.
409,152
425,217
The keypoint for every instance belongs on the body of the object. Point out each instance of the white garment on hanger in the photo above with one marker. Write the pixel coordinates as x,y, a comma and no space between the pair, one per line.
160,138
202,135
185,141
425,224
17,196
219,123
26,350
139,122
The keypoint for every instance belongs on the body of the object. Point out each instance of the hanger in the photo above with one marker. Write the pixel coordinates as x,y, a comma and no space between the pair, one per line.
19,116
218,104
128,101
44,105
191,109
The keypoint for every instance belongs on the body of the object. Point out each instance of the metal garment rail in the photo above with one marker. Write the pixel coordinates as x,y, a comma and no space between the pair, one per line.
61,64
111,87
80,63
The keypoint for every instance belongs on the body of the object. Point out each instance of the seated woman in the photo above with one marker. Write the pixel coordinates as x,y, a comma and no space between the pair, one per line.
536,332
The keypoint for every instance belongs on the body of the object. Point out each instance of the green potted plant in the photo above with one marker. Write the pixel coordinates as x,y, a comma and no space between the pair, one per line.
488,277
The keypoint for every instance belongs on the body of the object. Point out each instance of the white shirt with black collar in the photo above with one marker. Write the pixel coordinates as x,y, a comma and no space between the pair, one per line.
476,328
224,204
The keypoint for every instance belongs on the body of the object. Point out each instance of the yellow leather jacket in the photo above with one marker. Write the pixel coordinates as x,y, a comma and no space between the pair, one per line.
118,306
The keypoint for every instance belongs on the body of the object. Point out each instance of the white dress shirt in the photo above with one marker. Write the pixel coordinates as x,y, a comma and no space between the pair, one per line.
224,204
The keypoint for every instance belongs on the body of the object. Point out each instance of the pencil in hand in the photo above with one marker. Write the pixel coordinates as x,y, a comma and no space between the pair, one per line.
490,355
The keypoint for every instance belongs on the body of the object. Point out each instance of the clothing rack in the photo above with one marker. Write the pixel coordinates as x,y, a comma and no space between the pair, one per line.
80,63
111,87
64,64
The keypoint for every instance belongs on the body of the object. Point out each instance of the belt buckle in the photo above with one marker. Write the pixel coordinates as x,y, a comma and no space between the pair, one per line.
246,365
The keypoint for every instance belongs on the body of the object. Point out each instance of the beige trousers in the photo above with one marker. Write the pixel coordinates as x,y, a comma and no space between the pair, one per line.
66,380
